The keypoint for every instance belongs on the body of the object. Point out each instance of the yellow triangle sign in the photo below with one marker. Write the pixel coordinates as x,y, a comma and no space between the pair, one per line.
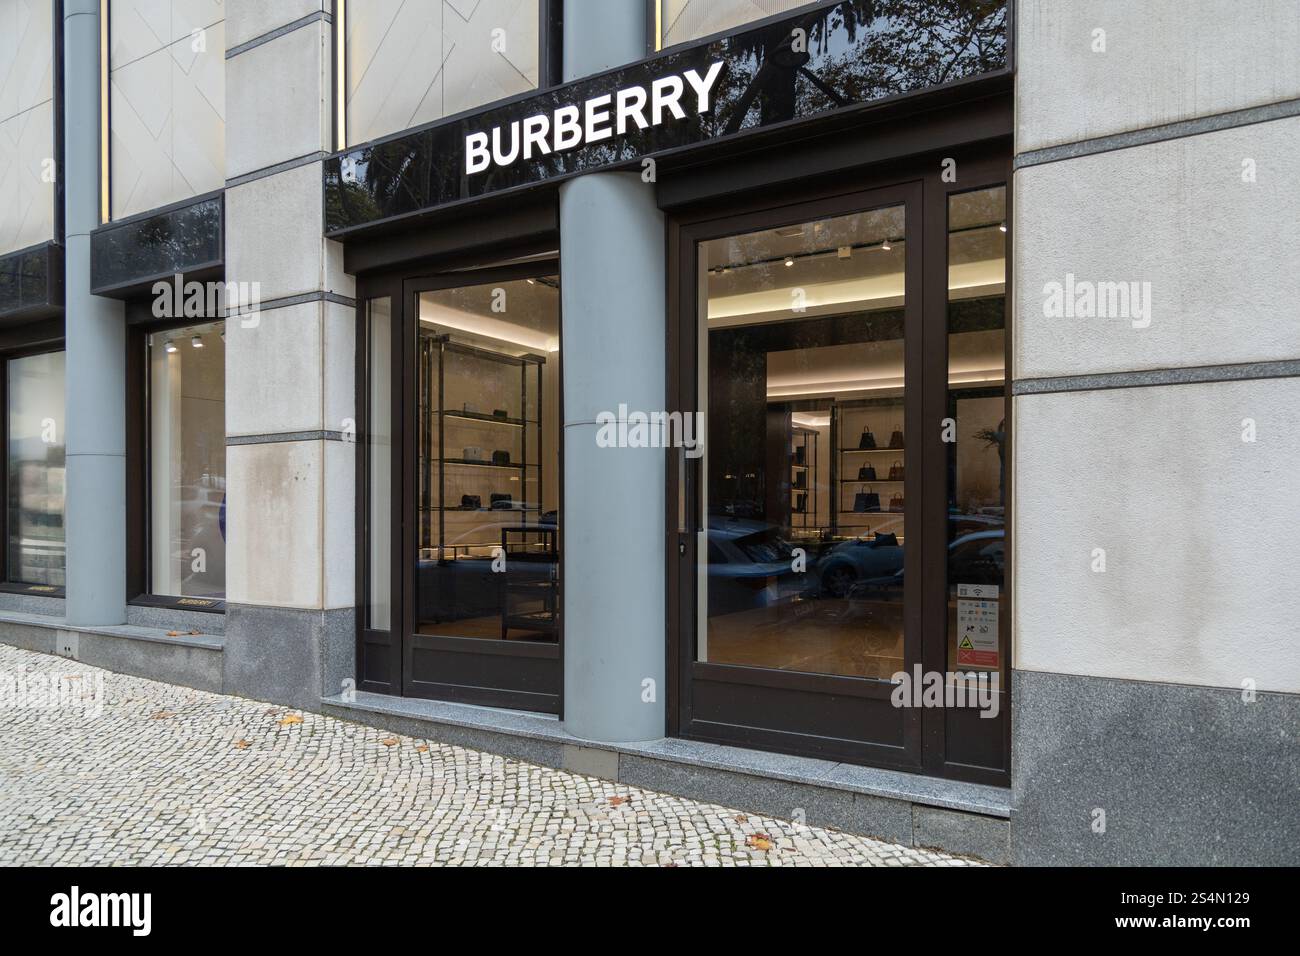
966,645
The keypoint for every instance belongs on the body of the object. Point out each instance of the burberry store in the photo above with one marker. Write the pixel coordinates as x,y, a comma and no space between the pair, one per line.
621,386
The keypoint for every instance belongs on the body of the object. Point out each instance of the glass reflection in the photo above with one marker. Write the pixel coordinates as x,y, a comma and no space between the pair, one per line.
488,461
37,473
187,455
805,460
978,625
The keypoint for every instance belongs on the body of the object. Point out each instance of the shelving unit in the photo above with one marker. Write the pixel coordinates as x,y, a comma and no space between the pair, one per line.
847,422
803,440
446,474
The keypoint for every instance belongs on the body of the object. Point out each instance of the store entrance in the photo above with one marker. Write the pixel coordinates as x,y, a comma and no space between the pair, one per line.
832,538
474,466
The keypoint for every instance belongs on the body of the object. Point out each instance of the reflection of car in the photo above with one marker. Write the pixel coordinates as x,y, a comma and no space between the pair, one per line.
978,558
862,559
462,584
750,566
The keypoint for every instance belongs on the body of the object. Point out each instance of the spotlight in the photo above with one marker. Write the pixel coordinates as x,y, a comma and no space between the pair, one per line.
1002,227
789,261
885,246
170,346
196,342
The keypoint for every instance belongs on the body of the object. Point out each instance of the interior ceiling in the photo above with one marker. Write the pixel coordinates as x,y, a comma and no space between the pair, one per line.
530,320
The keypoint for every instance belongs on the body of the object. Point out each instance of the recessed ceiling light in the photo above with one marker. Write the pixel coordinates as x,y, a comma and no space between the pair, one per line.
1002,227
789,261
196,342
885,246
170,346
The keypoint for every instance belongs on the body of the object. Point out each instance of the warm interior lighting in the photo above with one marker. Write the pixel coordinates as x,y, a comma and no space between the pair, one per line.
446,317
789,261
196,342
659,25
170,346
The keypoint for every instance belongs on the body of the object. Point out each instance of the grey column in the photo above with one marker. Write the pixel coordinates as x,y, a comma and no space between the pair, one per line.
612,257
95,519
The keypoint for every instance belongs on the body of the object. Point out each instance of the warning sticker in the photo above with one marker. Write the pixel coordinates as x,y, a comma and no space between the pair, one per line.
977,633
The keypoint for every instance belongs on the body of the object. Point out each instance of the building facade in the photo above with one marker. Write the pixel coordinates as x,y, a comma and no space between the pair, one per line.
878,413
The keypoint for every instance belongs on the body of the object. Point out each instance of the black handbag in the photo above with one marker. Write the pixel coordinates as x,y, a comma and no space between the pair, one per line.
470,502
896,471
502,502
500,457
800,455
865,501
800,504
896,439
867,473
801,479
867,440
885,539
500,413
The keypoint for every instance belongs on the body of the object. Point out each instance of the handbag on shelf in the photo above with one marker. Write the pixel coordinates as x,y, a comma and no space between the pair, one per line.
896,502
472,453
800,455
500,457
500,413
866,501
896,471
470,502
801,479
896,439
502,502
867,441
867,472
885,539
800,504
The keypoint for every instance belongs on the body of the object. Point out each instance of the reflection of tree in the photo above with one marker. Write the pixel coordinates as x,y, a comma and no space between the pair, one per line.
861,50
997,438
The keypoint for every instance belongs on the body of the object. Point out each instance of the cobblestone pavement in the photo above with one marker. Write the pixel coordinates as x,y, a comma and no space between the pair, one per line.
131,771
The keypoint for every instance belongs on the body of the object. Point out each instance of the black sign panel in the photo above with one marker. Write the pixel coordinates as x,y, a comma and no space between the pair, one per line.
834,57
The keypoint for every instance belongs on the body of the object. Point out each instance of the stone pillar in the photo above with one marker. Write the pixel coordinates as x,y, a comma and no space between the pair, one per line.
95,521
1154,482
290,369
612,257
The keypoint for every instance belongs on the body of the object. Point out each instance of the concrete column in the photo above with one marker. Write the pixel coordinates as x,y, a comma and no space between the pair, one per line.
290,370
96,353
612,256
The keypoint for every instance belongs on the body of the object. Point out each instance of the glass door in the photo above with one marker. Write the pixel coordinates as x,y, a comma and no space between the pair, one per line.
799,522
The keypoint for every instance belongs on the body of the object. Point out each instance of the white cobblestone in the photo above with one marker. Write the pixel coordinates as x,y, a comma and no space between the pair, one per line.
164,775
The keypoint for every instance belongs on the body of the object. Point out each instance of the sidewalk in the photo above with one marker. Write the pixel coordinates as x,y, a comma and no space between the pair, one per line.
129,771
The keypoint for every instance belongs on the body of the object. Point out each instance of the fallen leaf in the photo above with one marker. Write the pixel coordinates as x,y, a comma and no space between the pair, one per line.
760,841
162,715
242,744
740,818
618,801
423,748
173,633
389,741
288,719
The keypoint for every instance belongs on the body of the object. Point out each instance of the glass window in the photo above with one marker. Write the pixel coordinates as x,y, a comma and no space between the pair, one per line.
379,463
978,625
412,63
26,123
167,101
37,475
805,458
489,461
187,461
680,21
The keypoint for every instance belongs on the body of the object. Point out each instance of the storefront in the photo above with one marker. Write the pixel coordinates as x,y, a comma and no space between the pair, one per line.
834,277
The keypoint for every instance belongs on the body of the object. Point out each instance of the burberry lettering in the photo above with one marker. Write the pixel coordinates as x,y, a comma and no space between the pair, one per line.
599,118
